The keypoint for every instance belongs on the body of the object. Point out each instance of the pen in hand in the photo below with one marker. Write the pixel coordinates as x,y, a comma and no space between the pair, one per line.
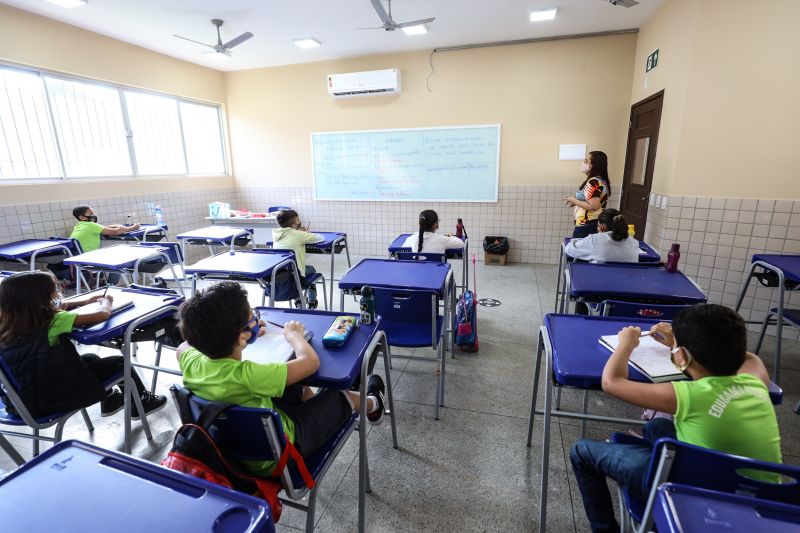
274,323
105,291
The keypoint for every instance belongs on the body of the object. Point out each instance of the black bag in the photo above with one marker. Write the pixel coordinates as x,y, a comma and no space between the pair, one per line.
495,245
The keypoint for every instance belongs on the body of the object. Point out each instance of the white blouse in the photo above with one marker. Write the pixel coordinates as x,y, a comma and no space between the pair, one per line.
432,243
601,248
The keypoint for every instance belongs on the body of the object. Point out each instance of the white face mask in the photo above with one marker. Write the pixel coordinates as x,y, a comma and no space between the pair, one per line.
585,167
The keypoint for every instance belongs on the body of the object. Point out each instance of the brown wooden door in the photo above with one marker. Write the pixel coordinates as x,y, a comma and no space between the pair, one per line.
640,159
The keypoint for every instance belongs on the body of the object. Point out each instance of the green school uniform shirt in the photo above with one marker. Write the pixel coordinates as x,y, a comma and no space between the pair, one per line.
61,323
242,383
295,240
88,234
732,414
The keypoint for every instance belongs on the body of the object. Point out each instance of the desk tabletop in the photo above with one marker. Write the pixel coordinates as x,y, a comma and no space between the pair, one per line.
789,264
397,246
646,252
144,303
25,248
150,229
117,256
327,243
338,367
252,264
393,274
91,489
219,233
597,282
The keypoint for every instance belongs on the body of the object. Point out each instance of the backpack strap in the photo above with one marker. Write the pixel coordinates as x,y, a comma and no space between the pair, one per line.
290,451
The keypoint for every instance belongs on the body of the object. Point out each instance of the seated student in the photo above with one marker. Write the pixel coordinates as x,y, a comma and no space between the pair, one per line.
87,231
725,406
218,324
293,236
34,342
611,243
427,240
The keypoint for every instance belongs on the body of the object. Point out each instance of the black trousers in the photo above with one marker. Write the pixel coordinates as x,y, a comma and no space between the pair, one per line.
104,368
317,419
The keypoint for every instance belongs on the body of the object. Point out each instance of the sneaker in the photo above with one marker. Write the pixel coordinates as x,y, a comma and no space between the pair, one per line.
313,304
113,403
152,403
298,304
376,388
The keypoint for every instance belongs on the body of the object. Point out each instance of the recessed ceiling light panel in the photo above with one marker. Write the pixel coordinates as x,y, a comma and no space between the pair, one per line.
544,14
69,3
307,43
419,29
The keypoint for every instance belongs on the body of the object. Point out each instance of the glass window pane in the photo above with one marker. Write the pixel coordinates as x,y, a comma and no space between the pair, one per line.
27,146
156,130
203,138
640,160
89,127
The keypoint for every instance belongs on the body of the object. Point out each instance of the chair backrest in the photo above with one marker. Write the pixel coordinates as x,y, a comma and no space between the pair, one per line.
8,387
151,290
74,246
640,310
403,305
421,256
174,250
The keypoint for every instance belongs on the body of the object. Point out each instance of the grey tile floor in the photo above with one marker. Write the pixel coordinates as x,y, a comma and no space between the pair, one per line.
471,470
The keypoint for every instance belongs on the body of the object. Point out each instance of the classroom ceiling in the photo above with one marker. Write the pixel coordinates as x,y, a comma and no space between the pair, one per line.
152,23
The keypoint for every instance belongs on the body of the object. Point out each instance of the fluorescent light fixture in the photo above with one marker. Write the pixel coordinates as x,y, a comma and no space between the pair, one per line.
543,14
307,43
419,29
69,3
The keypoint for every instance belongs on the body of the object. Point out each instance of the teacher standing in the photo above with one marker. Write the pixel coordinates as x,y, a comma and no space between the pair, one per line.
592,195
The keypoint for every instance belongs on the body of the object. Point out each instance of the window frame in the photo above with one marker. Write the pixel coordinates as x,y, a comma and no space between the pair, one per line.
41,73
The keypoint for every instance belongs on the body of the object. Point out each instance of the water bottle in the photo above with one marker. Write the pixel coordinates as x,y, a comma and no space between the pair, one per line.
631,230
672,258
367,305
159,216
460,229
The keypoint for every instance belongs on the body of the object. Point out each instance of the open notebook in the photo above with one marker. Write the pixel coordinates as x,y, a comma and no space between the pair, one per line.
271,347
651,358
121,301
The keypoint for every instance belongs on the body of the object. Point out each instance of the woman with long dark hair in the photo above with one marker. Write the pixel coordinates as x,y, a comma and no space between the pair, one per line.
592,196
427,240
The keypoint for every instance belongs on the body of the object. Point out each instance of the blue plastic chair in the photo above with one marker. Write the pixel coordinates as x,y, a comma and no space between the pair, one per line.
678,462
253,434
274,208
313,279
24,417
791,317
421,256
639,310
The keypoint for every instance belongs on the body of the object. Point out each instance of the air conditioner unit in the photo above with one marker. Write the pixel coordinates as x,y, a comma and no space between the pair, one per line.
373,82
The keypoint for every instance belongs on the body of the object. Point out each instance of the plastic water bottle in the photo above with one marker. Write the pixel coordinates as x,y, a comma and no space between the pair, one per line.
672,258
460,229
159,216
367,305
631,230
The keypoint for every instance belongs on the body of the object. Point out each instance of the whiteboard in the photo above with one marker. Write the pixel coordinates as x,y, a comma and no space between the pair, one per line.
453,164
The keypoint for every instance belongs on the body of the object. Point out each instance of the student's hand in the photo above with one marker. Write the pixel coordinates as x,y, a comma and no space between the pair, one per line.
105,302
662,332
629,338
262,330
292,330
95,298
135,226
569,200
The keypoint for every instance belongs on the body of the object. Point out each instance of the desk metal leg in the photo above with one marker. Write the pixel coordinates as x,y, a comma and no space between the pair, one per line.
559,275
389,393
779,326
745,285
584,409
14,454
548,398
536,368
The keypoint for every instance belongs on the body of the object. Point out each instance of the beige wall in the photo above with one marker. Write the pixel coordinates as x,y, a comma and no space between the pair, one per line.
32,40
731,117
543,94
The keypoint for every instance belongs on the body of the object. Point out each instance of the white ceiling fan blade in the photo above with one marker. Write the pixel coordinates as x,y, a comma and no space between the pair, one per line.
238,40
380,10
371,28
416,22
191,40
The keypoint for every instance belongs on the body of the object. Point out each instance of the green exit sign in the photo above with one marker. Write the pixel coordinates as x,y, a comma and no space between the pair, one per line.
652,61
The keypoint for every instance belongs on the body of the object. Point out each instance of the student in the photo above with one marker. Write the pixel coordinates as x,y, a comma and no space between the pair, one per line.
34,341
725,406
293,236
427,240
612,243
218,324
88,231
596,189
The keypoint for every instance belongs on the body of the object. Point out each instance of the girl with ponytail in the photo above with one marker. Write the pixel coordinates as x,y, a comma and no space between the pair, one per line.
426,240
612,243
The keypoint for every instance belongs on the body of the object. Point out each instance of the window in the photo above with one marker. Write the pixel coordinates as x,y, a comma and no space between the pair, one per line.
61,127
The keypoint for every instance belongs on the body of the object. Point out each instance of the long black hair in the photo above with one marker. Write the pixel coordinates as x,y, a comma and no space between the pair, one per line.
26,304
427,220
600,168
615,223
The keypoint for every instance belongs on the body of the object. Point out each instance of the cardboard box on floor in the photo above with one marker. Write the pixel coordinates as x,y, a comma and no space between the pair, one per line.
494,259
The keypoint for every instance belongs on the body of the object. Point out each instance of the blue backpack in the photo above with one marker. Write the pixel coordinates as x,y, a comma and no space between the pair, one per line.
466,325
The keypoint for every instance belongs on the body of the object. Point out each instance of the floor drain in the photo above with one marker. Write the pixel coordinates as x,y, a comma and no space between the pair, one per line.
489,302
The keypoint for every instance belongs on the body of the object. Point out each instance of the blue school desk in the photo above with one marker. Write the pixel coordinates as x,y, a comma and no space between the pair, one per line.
781,272
78,487
258,266
647,255
425,276
122,258
574,357
146,232
148,309
453,253
684,509
27,250
333,244
212,236
591,282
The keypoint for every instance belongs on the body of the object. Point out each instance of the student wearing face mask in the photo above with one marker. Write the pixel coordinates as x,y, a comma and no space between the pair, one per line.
88,231
592,196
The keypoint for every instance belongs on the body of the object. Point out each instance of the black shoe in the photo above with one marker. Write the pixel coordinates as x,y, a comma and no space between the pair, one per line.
376,388
113,403
313,304
298,304
152,403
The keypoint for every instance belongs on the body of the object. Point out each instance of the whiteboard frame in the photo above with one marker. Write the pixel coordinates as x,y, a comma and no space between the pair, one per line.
496,170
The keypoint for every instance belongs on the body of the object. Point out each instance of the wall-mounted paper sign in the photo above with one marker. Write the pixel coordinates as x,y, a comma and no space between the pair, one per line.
571,152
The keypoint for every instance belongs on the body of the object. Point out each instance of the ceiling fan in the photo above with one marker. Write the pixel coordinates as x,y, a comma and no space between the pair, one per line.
388,23
220,47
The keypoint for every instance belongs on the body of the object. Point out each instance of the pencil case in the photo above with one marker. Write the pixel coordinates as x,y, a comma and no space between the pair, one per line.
339,331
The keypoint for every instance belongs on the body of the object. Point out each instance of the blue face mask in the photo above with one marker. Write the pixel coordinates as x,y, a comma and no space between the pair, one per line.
253,329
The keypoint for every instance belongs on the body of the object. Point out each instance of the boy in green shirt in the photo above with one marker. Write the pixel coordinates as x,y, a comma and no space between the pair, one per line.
725,406
293,236
88,231
218,324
